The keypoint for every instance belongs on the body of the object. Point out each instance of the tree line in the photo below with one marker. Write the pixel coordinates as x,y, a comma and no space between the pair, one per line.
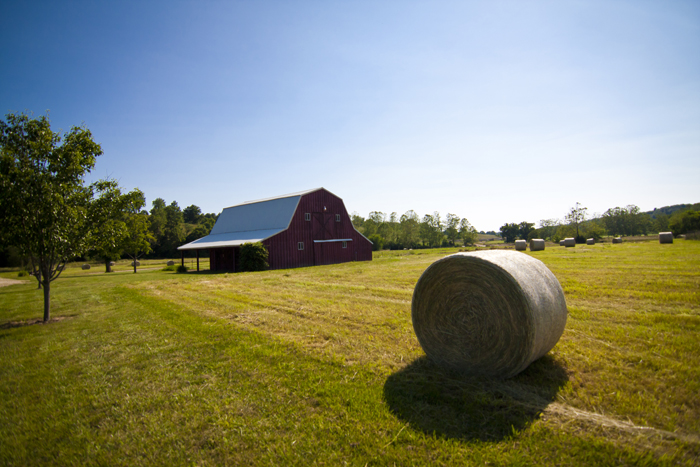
617,221
409,230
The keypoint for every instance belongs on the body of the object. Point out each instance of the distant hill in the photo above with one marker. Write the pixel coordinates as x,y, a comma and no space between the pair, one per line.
668,210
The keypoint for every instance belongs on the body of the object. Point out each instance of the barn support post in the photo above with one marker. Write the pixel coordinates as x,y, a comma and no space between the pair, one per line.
182,257
197,260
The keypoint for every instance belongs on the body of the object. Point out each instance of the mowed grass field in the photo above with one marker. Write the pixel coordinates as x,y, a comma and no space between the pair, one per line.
320,366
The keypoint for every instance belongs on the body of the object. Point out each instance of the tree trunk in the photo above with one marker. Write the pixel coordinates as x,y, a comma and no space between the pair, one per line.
47,299
38,277
108,267
134,265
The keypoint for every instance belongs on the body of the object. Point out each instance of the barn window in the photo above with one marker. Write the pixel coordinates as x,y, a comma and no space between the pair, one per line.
345,244
337,217
300,245
307,216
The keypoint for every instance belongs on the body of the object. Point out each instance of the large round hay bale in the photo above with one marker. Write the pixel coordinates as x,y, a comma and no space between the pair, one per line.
138,263
521,245
590,241
569,242
85,266
665,237
112,263
171,263
536,244
489,312
561,242
617,240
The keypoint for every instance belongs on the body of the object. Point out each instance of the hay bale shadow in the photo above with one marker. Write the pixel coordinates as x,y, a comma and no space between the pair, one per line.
453,405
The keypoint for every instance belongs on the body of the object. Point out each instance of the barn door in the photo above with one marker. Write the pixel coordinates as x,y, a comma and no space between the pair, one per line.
324,226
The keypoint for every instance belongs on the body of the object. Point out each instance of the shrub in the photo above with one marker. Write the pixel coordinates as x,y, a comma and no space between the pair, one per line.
253,257
377,242
22,273
181,268
171,268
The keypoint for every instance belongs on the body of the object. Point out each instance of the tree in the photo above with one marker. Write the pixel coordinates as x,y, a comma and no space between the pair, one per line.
409,226
467,232
174,229
524,229
451,227
46,211
138,238
685,222
191,214
113,234
509,232
575,217
548,228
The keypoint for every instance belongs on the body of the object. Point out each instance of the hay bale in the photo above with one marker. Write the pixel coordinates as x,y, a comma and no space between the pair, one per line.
85,266
171,263
112,263
488,313
617,240
569,242
665,237
536,244
521,245
561,242
138,263
590,241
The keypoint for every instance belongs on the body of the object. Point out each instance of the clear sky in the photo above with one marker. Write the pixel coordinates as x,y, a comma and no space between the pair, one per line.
494,111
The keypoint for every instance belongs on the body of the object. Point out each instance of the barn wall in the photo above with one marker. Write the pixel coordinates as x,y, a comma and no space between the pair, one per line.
283,247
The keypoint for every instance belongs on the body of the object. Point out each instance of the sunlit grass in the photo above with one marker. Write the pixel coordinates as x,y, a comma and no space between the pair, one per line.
321,366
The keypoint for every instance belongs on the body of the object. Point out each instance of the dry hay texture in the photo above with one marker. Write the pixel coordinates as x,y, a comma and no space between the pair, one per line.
536,244
617,240
569,242
85,266
665,237
138,263
521,245
488,313
590,241
561,242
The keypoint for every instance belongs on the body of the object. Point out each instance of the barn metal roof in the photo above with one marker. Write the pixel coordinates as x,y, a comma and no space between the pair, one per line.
250,222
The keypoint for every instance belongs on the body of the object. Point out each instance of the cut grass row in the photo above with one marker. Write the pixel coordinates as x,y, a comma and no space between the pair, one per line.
321,366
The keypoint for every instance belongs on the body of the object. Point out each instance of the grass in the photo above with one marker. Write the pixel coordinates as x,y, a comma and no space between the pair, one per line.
321,366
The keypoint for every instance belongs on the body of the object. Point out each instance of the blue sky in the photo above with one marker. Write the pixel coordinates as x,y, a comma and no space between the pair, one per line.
495,111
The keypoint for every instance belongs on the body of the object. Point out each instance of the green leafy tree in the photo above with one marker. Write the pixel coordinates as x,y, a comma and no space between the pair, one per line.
46,211
377,242
191,214
174,230
467,232
509,232
253,257
685,222
138,237
575,218
202,230
452,227
524,229
115,206
409,227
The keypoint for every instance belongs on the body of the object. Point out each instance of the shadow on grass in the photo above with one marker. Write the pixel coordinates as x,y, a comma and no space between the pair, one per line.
454,405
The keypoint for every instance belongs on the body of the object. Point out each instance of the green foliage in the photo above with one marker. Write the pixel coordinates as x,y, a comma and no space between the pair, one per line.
377,242
254,257
46,211
510,232
467,232
202,230
626,221
685,222
181,268
575,217
191,214
524,229
22,273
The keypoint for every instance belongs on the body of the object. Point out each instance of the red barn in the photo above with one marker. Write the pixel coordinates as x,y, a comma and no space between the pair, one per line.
301,229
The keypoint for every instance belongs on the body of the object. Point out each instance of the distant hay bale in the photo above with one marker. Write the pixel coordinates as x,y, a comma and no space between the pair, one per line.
590,241
112,263
617,240
85,266
138,263
171,263
561,243
665,237
569,242
488,313
536,244
521,245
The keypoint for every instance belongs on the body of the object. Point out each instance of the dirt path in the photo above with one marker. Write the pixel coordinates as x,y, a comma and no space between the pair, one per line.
5,282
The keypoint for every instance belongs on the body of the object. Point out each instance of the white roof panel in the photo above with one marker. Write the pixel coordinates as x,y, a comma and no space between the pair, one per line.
230,239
